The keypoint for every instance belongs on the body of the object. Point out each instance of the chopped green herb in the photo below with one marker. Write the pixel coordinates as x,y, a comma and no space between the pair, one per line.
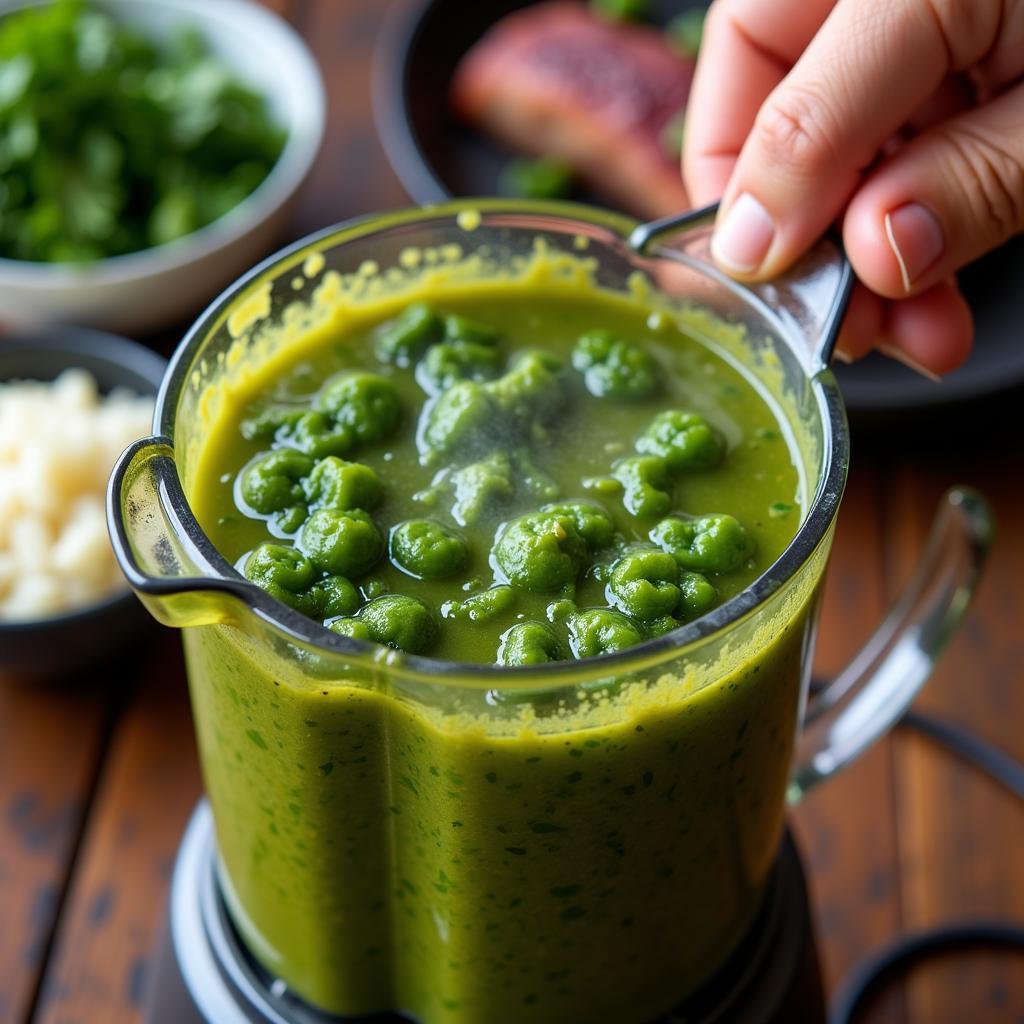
545,178
685,30
621,10
673,134
112,142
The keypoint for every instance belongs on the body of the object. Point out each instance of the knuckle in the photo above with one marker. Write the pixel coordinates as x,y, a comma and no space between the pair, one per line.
718,11
796,133
719,14
991,180
726,18
967,28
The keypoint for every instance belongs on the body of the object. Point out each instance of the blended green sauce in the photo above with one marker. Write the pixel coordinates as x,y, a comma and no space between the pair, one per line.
475,470
505,858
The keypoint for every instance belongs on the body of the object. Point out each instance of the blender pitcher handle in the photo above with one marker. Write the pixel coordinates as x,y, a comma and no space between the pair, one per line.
810,299
173,577
876,688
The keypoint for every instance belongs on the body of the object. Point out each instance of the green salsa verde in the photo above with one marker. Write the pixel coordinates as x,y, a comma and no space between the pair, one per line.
548,479
590,858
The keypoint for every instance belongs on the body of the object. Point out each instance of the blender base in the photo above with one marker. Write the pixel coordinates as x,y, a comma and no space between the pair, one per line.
203,975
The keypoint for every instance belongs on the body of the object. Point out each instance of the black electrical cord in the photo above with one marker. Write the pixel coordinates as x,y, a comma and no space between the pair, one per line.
995,763
873,970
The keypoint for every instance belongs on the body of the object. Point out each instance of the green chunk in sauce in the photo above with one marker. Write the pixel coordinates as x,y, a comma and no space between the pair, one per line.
500,456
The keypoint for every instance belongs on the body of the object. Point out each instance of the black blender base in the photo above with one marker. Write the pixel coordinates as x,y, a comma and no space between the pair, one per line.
204,976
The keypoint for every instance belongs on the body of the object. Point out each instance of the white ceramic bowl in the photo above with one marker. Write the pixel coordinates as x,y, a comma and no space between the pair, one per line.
156,287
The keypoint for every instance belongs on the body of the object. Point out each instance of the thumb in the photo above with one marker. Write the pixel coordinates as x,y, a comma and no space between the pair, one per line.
869,68
941,201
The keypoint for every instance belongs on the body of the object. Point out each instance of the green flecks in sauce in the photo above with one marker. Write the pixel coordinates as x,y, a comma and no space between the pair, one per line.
585,869
544,431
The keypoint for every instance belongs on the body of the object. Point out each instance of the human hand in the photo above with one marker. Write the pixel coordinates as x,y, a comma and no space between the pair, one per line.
902,118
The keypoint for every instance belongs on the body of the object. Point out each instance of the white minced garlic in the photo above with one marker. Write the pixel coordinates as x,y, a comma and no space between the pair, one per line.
59,441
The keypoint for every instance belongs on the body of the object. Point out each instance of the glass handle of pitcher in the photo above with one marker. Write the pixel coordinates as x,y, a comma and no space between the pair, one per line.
180,583
871,694
809,299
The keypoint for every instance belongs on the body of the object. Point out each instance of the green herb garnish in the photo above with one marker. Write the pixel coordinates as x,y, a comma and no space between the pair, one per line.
621,10
111,143
673,133
685,30
545,178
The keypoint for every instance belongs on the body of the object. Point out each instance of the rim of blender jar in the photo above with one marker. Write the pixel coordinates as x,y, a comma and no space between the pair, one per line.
821,512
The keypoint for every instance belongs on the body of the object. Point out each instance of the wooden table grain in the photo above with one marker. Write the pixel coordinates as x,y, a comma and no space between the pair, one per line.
98,773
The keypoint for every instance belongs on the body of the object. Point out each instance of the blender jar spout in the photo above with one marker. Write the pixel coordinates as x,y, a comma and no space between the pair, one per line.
173,577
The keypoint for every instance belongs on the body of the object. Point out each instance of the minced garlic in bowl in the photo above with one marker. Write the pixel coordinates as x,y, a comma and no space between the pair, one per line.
58,443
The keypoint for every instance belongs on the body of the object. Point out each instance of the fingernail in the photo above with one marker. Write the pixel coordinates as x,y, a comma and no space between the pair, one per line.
742,240
901,357
843,357
916,240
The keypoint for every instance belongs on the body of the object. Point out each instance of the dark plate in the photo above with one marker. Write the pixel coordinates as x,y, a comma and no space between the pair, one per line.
68,643
436,157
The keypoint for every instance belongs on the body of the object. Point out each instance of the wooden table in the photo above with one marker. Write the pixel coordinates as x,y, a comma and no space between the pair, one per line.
98,775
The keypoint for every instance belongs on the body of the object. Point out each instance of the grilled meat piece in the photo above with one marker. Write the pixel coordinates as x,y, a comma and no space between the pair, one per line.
554,80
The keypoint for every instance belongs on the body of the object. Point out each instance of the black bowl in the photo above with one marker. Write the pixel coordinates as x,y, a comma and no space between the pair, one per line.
433,153
436,157
81,638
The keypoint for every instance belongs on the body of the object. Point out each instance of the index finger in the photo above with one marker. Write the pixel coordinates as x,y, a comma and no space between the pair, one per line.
747,49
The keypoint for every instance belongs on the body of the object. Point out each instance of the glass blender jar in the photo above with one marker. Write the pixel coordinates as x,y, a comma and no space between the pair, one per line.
474,843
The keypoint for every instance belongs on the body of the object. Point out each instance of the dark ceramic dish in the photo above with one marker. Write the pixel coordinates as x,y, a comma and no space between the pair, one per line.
436,157
78,639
